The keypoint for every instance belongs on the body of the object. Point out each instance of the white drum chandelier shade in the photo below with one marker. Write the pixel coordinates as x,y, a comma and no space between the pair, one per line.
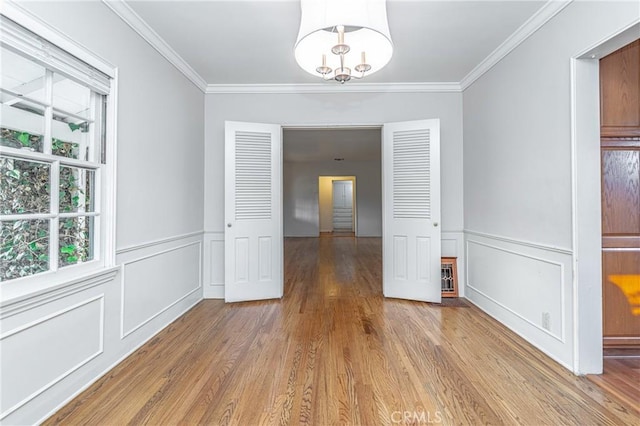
343,39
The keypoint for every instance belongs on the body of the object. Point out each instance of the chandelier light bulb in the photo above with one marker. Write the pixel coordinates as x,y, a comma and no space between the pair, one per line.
323,69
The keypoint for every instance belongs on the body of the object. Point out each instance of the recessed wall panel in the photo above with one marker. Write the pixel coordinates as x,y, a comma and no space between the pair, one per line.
524,284
39,354
154,283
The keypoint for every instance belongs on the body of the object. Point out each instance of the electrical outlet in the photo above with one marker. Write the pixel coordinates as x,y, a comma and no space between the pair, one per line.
546,321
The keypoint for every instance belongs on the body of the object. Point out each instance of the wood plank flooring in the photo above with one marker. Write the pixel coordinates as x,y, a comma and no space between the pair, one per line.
333,351
621,377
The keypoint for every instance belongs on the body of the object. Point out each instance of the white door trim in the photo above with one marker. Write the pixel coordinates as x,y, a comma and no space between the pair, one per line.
586,203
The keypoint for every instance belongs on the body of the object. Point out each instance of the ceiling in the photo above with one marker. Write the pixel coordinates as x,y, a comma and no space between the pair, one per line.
245,42
300,145
251,42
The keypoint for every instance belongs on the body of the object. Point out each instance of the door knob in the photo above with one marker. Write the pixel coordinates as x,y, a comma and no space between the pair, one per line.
435,223
228,225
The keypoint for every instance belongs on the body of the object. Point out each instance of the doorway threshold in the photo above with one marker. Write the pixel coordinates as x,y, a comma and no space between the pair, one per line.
336,234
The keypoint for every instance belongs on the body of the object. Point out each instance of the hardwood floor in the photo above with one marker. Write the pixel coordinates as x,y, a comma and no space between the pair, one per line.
621,375
333,351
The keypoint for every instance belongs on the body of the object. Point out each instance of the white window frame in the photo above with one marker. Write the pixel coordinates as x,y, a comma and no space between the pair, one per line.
105,177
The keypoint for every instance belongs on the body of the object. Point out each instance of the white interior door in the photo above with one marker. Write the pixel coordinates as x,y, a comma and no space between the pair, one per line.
411,210
342,205
253,212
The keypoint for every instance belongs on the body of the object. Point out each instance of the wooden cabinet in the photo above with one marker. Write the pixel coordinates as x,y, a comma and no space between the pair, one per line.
620,150
620,92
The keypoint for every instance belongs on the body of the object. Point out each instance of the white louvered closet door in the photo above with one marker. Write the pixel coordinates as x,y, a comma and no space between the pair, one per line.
253,212
411,216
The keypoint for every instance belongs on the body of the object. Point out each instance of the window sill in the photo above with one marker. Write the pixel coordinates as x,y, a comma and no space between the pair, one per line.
16,297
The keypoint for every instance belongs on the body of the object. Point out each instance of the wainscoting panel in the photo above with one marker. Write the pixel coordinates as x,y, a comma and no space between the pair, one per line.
213,265
526,286
154,283
41,353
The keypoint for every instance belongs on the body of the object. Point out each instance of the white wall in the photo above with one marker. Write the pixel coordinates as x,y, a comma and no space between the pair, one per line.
328,109
517,177
300,188
57,343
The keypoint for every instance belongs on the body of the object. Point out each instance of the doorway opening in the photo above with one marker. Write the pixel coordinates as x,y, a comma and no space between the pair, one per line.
587,211
331,183
260,213
315,158
337,206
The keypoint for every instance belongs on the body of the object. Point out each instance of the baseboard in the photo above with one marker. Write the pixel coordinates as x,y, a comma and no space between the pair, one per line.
214,292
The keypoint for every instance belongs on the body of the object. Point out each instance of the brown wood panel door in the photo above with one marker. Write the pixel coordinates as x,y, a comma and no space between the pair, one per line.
620,146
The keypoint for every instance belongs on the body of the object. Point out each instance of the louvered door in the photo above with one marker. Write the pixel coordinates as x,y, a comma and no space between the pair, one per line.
253,212
411,200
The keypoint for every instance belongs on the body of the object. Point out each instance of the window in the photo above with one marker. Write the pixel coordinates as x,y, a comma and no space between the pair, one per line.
52,157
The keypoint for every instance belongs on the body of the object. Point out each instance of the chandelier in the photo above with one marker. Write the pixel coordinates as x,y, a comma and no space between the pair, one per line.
343,39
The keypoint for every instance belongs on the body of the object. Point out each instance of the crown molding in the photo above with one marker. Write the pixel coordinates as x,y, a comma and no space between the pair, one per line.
139,25
328,87
550,9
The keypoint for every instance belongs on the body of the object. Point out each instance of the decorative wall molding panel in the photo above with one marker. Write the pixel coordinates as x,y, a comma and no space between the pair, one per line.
526,287
152,284
41,353
77,329
538,246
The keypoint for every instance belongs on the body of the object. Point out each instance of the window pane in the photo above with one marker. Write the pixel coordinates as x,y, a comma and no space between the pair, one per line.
76,240
71,97
24,187
24,248
76,190
71,134
21,75
70,137
21,124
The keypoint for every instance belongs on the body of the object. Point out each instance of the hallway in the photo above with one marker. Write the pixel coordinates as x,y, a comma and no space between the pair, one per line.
333,351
